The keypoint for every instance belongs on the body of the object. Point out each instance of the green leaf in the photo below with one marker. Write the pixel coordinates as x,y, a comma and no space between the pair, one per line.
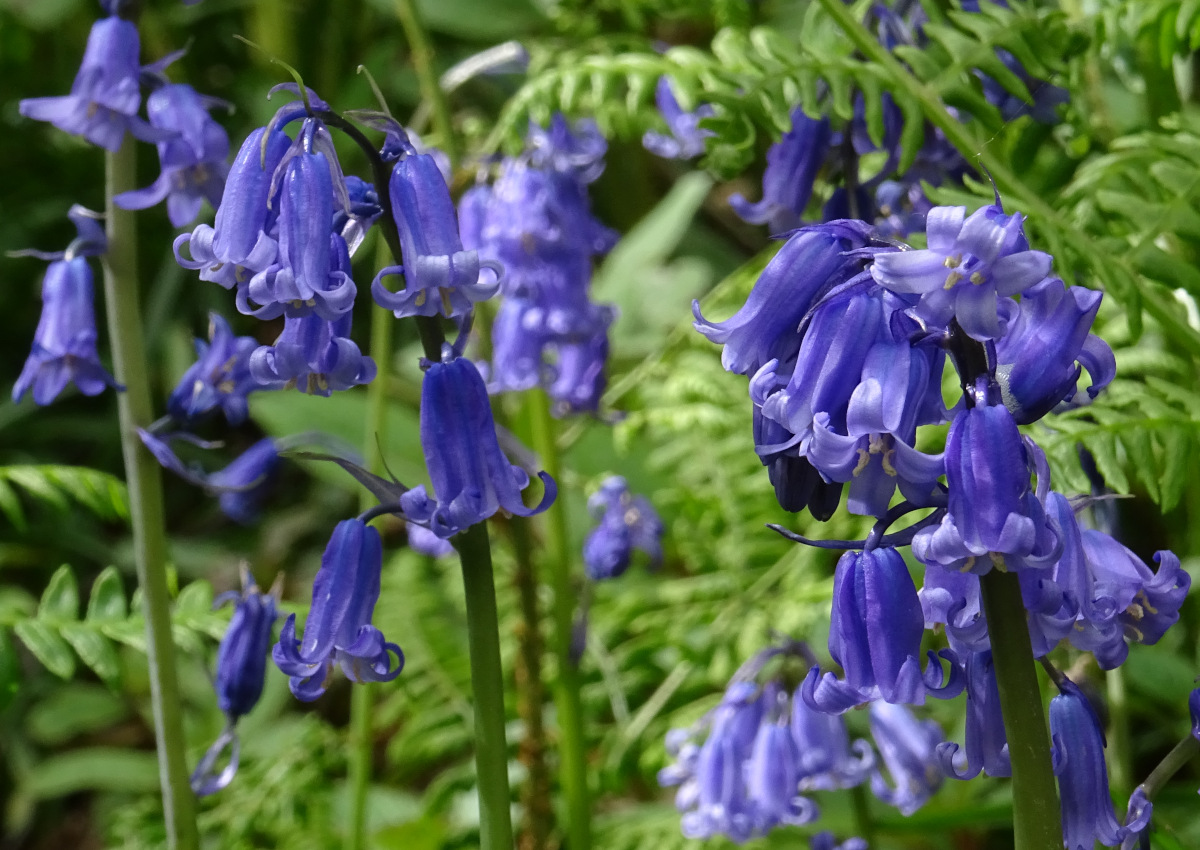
95,650
94,769
75,709
47,646
107,601
60,602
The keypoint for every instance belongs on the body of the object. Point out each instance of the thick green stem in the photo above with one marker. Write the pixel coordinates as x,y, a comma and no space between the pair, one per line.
536,796
1156,302
487,685
1037,823
362,743
145,497
427,77
572,752
1119,745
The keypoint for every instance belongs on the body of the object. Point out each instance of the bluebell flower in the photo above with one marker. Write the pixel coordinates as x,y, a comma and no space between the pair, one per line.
440,277
994,511
741,781
626,522
241,672
1045,96
986,742
105,95
220,377
424,541
64,344
353,223
827,841
239,244
828,759
519,338
312,274
314,356
471,477
243,484
338,630
907,747
792,166
579,368
764,329
1087,808
685,137
242,655
1116,597
192,160
1038,359
971,263
875,635
574,150
1194,711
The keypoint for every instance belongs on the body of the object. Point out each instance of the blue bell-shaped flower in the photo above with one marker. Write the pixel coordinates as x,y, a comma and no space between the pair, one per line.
220,377
471,477
792,166
338,629
685,137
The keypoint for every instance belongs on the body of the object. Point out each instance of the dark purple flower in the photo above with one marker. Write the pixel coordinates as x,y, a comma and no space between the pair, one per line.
908,749
994,512
1039,355
64,344
792,166
986,744
105,96
439,276
338,629
239,245
192,159
764,329
627,522
685,137
971,263
1087,808
241,671
220,377
875,635
242,655
471,477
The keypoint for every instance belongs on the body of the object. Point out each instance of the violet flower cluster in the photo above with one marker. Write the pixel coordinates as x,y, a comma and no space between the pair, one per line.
625,523
535,220
845,338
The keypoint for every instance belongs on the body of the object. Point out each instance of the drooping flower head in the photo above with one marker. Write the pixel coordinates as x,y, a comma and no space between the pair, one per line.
440,277
1087,808
64,343
792,166
192,158
471,477
313,355
241,672
338,630
907,747
105,96
986,746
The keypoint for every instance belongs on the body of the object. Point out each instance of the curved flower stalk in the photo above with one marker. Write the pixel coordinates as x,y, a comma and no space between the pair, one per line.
241,671
472,479
338,630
